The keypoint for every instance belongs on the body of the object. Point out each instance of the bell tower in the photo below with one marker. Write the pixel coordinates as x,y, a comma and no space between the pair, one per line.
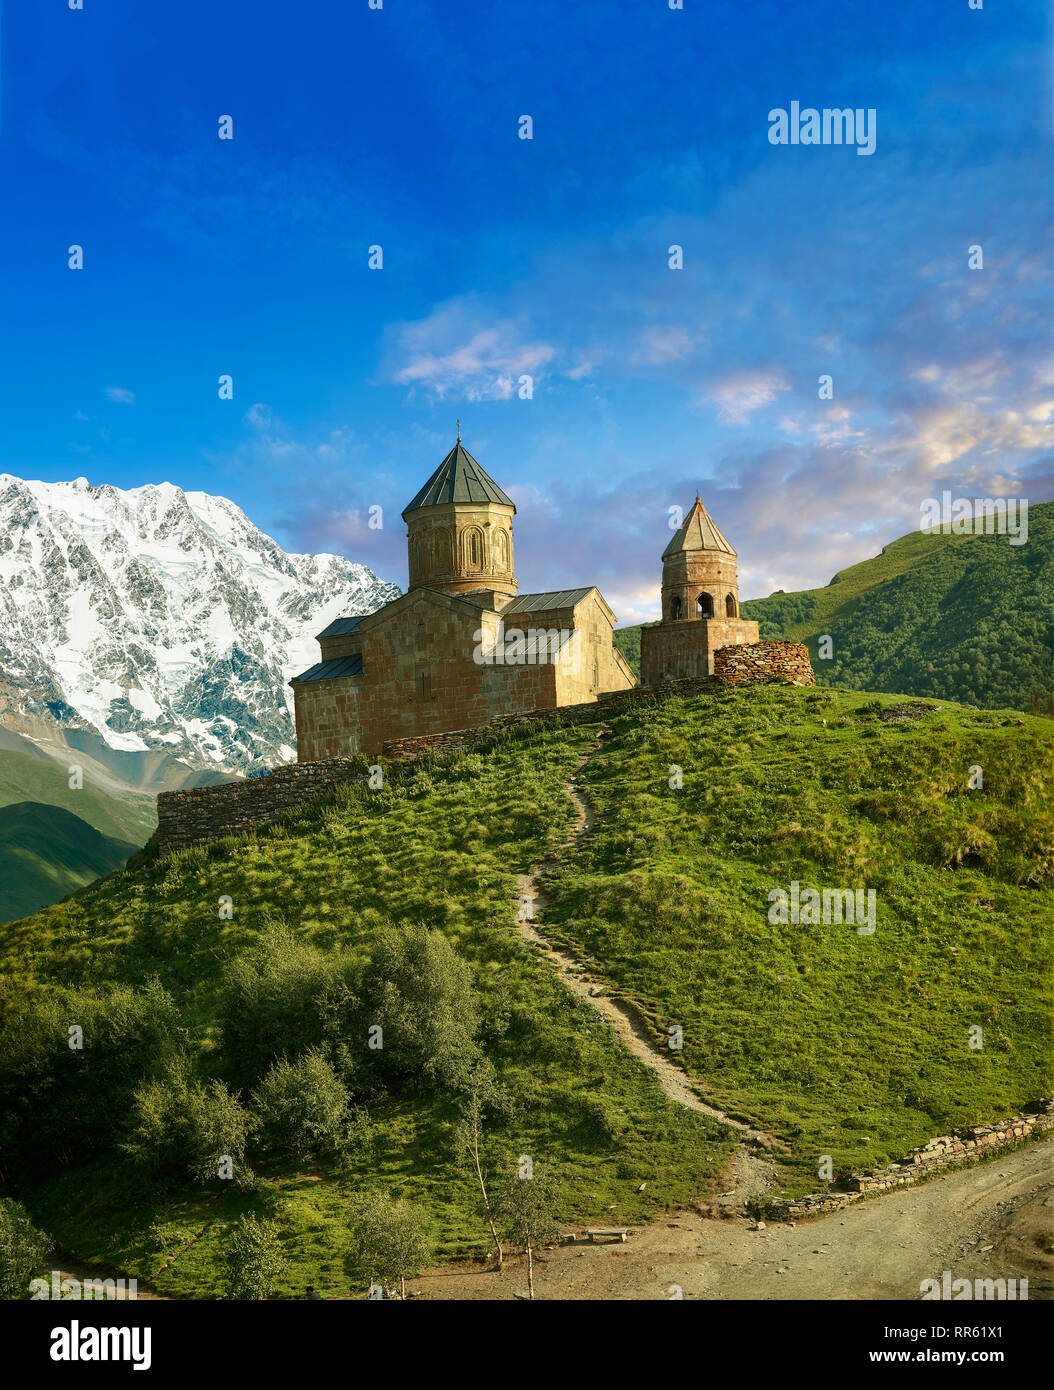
700,604
459,530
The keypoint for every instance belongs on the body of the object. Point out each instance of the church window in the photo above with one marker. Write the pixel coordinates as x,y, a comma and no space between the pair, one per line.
503,550
675,607
706,606
730,606
424,685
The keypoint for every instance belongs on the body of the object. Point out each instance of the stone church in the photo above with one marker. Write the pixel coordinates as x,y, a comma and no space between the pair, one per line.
462,644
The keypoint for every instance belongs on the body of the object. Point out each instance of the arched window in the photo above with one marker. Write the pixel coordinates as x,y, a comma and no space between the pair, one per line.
675,607
503,550
730,606
706,606
474,549
596,675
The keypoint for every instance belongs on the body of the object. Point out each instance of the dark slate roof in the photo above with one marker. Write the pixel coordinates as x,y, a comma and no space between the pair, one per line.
328,670
340,627
699,531
559,598
459,478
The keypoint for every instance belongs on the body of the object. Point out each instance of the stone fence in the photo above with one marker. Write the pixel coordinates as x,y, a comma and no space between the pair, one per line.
764,661
203,814
955,1150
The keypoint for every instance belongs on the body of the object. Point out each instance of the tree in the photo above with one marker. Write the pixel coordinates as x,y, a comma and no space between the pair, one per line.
419,991
252,1259
302,1106
390,1239
481,1093
23,1250
525,1209
181,1125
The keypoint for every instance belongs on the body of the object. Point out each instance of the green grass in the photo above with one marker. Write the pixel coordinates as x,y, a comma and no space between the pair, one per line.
46,853
848,1045
851,1045
441,846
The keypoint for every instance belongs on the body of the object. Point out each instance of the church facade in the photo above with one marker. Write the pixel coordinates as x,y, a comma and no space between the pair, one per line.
462,645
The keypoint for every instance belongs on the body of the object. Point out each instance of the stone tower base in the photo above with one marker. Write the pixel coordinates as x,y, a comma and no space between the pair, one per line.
678,650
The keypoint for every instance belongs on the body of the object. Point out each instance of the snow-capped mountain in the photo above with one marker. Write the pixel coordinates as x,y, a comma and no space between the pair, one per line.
162,619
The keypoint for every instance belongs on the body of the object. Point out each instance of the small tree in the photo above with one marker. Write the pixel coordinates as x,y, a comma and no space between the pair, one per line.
302,1106
252,1259
525,1209
390,1239
182,1125
23,1250
481,1093
419,991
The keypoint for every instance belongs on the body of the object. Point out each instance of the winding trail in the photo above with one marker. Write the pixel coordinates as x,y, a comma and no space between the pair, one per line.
750,1175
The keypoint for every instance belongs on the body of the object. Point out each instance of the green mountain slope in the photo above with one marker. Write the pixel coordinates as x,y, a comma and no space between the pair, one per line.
965,618
47,853
848,1044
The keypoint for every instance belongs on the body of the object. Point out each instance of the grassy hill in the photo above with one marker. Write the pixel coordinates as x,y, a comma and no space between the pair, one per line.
966,618
852,1045
47,853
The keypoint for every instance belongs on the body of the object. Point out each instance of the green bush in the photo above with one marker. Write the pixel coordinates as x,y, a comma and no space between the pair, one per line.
302,1107
282,997
252,1259
23,1250
181,1126
59,1101
419,992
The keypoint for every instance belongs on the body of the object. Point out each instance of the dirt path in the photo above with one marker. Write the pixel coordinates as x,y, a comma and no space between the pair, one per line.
751,1175
993,1221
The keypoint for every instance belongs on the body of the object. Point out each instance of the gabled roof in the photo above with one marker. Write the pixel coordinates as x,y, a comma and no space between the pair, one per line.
698,531
459,478
329,670
558,598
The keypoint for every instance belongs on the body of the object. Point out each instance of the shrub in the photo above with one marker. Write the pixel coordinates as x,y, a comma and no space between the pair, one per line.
302,1106
23,1250
59,1102
420,993
183,1126
252,1259
281,996
389,1242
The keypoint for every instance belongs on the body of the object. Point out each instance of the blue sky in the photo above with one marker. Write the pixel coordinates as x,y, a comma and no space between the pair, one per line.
547,257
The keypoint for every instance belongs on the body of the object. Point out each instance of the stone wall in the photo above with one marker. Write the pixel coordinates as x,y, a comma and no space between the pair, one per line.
764,661
961,1147
208,813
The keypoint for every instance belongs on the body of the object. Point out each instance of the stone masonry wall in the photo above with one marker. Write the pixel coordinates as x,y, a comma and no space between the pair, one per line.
202,814
764,661
955,1150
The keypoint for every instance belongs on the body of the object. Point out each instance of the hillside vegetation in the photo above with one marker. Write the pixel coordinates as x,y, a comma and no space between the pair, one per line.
208,1034
966,618
46,853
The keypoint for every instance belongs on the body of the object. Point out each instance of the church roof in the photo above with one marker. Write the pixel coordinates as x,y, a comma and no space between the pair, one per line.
341,627
539,603
698,531
330,670
459,478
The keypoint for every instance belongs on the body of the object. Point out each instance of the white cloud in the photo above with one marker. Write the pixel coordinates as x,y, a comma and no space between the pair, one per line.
119,393
740,395
458,348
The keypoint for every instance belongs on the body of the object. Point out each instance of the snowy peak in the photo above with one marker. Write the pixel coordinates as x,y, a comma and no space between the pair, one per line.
161,618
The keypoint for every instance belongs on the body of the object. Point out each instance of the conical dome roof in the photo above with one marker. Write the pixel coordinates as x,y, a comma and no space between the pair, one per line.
698,531
459,478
